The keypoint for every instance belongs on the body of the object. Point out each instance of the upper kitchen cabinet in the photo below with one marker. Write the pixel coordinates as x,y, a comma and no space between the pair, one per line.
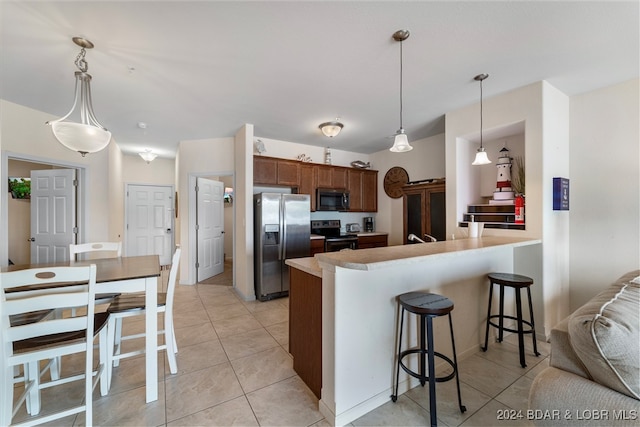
307,183
331,176
272,171
363,190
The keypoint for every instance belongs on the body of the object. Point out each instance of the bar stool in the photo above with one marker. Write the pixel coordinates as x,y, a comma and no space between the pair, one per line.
427,306
517,282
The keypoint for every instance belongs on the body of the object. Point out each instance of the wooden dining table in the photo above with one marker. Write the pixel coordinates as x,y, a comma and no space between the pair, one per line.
123,275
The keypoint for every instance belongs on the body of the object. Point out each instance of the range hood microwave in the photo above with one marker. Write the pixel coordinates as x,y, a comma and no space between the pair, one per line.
331,199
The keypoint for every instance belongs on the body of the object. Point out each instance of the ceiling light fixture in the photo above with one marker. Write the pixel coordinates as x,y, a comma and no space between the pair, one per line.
86,135
331,129
481,155
400,142
148,156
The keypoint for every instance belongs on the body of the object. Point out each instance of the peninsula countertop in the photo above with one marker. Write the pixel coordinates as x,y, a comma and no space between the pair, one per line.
376,258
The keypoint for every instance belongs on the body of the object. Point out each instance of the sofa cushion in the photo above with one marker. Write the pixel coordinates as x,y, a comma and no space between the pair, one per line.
605,335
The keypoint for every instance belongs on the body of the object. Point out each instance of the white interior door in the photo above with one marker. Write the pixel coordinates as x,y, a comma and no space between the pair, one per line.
149,219
209,228
53,214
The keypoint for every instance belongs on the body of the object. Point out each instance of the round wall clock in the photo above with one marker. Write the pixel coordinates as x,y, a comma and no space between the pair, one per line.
394,179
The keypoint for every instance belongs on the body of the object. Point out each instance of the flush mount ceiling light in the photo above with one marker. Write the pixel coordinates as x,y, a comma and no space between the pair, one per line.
331,129
400,142
148,156
86,134
481,155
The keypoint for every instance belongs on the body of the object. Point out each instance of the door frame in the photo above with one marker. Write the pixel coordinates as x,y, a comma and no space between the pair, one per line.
81,212
193,241
125,233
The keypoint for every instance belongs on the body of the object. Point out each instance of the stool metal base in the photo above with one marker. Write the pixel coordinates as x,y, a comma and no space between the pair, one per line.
427,357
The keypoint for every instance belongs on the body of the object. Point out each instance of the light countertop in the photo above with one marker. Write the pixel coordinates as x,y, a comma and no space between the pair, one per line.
308,265
371,233
317,237
376,258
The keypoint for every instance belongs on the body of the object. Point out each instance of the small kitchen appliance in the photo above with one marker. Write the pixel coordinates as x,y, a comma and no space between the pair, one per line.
368,224
353,228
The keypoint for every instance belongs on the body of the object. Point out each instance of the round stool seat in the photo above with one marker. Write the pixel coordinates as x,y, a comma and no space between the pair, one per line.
509,279
425,303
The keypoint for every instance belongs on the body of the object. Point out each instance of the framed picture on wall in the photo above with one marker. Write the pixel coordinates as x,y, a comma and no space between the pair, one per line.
20,187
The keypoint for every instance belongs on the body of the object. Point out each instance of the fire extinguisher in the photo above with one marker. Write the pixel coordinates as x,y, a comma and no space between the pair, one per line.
519,210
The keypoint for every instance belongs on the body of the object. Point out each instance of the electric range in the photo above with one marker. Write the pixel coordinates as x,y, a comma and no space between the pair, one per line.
334,240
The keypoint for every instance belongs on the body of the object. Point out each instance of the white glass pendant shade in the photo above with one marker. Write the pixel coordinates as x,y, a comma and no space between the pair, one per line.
80,137
148,156
481,158
400,143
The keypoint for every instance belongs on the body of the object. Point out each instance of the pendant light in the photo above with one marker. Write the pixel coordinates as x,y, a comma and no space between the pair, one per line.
481,155
148,156
86,135
400,142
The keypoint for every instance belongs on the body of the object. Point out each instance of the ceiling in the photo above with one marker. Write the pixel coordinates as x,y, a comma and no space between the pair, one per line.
202,69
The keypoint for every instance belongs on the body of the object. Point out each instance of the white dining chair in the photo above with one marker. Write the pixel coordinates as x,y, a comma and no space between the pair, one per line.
134,305
27,341
82,248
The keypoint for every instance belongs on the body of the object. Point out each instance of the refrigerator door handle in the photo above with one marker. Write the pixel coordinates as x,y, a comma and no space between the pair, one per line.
283,231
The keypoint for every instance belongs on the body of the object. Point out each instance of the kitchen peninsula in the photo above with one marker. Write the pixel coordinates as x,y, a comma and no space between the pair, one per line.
358,290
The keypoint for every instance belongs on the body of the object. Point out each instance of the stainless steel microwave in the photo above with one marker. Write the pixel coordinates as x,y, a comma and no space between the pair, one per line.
331,199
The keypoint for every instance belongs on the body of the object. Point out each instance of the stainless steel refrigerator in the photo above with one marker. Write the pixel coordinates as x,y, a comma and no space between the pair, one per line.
282,227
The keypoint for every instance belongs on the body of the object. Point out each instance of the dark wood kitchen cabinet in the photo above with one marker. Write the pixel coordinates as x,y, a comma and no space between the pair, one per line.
272,171
331,176
363,190
307,184
375,241
317,246
425,210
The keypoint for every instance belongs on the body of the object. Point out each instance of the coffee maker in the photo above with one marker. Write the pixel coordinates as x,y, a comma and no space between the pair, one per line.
368,224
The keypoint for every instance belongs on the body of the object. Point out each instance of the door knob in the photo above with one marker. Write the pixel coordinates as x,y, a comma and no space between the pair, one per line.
33,239
168,231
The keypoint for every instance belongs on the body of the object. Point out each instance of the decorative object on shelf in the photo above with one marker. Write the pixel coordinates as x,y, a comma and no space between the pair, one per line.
400,141
148,156
393,181
327,156
503,191
519,210
86,135
560,194
331,129
518,177
258,146
360,164
303,158
228,195
481,155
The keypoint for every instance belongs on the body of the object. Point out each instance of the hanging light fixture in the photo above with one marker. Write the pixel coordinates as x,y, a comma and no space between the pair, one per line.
331,129
148,156
481,155
400,142
86,135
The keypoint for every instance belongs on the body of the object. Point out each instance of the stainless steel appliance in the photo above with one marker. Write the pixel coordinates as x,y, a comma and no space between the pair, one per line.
281,231
331,199
352,228
368,224
334,240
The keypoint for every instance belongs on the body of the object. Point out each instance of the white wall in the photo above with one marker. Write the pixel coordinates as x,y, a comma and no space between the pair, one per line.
426,160
605,188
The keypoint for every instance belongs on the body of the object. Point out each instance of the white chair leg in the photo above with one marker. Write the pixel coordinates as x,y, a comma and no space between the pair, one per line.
55,368
169,339
117,341
104,348
32,373
175,344
111,326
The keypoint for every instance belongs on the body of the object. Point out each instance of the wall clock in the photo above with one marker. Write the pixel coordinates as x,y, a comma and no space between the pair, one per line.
394,179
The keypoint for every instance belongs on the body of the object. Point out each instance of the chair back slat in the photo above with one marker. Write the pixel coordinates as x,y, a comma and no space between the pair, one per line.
83,248
47,327
22,302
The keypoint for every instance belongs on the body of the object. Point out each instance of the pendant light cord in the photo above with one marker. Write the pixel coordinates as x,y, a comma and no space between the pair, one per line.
401,85
481,114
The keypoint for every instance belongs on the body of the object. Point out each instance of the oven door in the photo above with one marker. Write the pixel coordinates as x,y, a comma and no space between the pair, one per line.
338,244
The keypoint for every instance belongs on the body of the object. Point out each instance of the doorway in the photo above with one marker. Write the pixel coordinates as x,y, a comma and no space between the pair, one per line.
15,246
227,275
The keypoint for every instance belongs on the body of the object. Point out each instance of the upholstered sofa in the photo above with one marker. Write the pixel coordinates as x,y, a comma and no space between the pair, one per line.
593,378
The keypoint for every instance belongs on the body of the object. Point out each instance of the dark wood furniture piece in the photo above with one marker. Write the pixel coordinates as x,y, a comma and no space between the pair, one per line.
427,306
375,241
517,282
317,246
425,210
305,178
305,327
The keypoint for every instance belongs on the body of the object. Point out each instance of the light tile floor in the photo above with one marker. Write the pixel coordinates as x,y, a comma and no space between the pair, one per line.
234,369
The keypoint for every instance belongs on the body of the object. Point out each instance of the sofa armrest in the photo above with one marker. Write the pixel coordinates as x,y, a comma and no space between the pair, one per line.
560,398
562,354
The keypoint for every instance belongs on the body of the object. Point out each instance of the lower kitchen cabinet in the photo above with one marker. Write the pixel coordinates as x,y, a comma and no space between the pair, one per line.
317,246
376,241
305,327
